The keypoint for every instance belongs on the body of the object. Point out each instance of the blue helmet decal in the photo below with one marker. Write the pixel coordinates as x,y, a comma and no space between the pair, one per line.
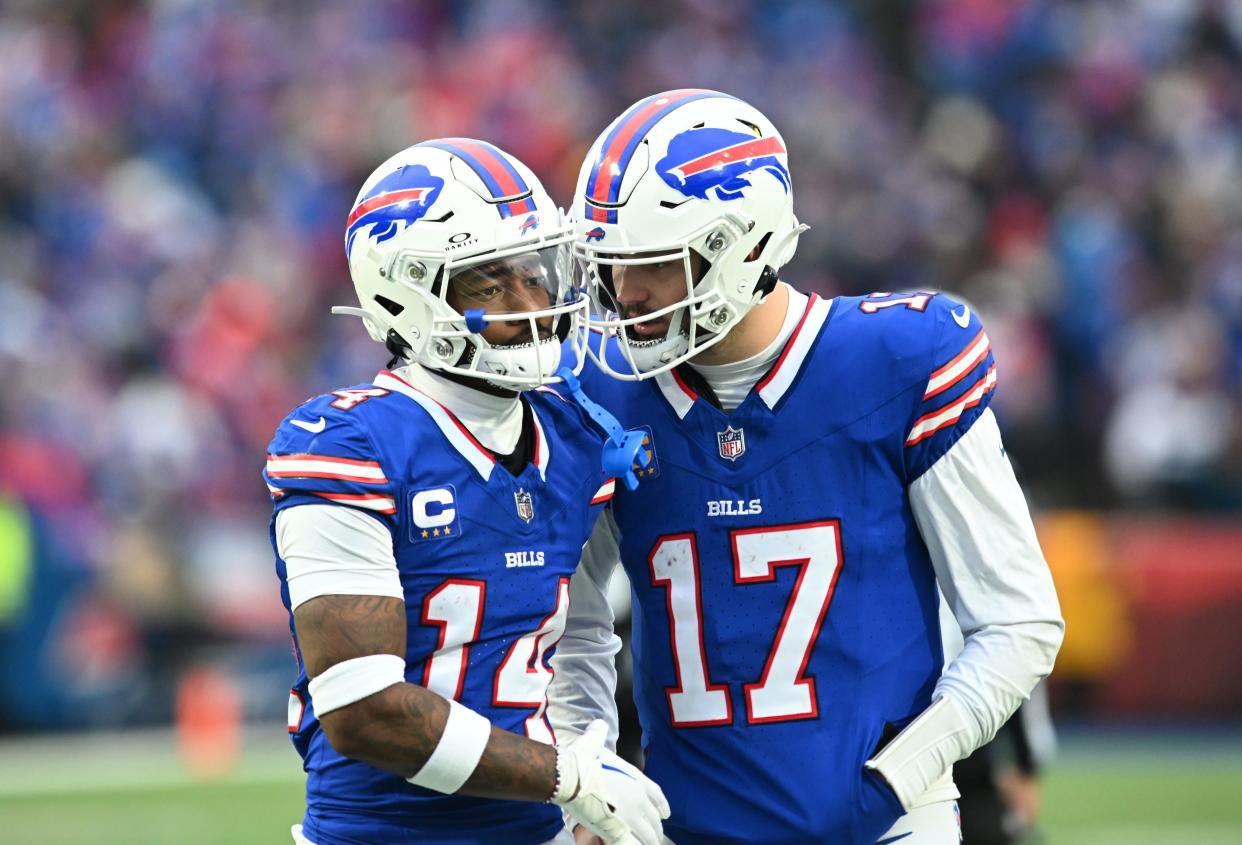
719,160
399,199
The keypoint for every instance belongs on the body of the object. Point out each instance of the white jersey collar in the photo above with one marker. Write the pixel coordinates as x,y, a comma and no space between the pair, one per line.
492,425
773,387
452,428
676,392
775,384
733,382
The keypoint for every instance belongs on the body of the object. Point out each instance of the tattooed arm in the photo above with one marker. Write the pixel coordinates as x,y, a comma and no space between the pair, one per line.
397,728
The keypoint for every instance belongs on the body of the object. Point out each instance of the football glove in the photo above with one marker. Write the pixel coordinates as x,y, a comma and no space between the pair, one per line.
605,794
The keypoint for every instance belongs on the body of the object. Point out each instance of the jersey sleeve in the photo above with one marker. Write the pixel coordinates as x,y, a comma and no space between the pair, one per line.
321,455
960,383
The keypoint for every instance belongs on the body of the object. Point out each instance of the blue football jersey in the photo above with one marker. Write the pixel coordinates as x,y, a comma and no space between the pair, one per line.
785,605
484,560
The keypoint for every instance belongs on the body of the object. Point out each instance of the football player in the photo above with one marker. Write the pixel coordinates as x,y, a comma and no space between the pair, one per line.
818,467
426,526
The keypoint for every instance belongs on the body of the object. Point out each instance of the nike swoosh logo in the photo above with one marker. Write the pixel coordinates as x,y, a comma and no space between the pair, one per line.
962,320
893,838
313,428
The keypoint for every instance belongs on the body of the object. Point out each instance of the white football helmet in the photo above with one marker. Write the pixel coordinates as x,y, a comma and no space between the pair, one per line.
683,173
459,215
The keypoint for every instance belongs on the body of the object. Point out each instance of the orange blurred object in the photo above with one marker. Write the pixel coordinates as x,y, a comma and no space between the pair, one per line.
1152,607
208,722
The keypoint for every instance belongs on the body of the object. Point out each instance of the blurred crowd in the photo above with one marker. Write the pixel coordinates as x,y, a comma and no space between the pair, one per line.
174,178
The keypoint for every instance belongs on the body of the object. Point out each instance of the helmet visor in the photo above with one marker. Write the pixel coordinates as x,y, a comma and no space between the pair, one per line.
515,289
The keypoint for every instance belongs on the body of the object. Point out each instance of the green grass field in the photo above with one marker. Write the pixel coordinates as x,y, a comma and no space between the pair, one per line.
1112,802
135,793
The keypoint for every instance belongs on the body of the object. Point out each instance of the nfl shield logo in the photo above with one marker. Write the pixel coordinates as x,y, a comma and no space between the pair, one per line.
732,443
525,506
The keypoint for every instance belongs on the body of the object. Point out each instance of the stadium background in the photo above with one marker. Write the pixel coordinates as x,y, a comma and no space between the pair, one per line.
173,180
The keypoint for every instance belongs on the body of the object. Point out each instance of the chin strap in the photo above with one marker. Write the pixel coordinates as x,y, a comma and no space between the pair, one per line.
397,347
623,448
767,282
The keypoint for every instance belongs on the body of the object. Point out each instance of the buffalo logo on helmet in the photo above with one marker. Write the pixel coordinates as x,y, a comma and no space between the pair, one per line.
529,223
720,161
596,234
399,199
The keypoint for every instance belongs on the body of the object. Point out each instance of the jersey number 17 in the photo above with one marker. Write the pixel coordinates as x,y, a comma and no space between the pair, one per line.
782,693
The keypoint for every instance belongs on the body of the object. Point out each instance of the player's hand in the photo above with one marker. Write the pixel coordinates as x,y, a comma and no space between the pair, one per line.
607,795
582,836
1020,793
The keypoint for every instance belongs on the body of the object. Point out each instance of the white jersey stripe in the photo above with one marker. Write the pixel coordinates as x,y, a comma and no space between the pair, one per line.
605,492
382,504
929,424
328,459
961,365
316,466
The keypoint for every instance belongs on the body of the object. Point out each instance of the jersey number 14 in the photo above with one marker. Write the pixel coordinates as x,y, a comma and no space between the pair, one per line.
456,607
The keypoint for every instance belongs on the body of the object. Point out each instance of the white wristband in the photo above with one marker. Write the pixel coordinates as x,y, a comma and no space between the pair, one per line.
353,680
457,753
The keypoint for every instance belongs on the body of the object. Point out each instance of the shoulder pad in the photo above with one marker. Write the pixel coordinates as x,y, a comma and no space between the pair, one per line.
960,375
889,335
324,452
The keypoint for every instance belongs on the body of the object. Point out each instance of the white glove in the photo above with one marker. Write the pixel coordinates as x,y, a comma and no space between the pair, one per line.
605,794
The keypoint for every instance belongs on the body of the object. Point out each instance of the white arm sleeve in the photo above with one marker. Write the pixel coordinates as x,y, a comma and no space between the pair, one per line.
974,520
333,550
584,682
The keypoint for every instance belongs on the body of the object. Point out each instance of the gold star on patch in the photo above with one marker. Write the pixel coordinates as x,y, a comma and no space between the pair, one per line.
435,532
448,529
426,534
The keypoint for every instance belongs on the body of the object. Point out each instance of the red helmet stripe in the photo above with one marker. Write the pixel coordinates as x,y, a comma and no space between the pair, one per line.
499,176
738,152
618,147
